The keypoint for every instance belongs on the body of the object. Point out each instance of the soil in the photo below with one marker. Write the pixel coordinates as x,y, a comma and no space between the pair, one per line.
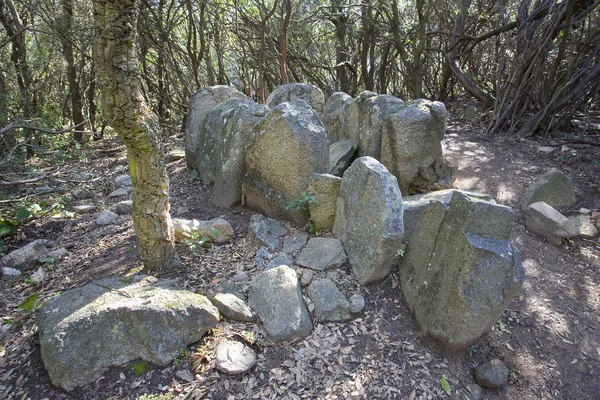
549,337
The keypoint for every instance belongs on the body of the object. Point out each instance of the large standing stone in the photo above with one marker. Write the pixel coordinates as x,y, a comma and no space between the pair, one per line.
336,115
322,254
28,256
200,104
227,131
553,188
263,231
109,323
411,146
340,156
290,146
459,271
330,303
297,91
367,120
368,219
276,297
325,189
546,221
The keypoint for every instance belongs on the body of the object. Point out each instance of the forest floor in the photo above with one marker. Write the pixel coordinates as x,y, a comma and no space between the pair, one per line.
549,337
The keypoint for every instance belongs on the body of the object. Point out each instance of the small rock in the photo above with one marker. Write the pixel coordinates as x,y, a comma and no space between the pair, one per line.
492,374
123,181
58,253
175,154
583,226
241,276
234,358
295,242
38,276
217,230
230,288
184,375
106,217
553,188
546,149
27,256
79,176
475,392
357,303
546,221
584,211
124,191
220,231
233,308
84,209
280,259
124,207
263,255
264,231
10,273
307,277
322,253
330,304
83,194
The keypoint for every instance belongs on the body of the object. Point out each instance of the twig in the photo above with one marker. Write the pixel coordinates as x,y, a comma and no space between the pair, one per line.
22,182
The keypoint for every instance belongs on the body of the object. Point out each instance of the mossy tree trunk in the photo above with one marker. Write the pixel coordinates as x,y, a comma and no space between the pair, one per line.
127,112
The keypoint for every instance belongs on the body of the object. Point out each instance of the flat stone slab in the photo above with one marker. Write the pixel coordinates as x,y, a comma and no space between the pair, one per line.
322,254
234,357
294,242
263,231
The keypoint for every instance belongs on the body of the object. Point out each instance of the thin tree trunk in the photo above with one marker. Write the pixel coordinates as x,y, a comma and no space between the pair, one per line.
124,106
287,10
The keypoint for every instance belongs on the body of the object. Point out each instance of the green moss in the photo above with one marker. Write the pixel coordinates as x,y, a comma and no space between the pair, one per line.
139,367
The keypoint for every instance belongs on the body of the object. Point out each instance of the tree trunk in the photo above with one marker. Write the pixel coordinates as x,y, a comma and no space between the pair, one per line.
124,107
287,11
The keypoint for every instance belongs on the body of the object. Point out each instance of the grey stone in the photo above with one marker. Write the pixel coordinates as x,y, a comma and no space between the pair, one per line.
230,288
85,331
184,375
234,357
411,147
200,104
106,217
263,231
276,297
233,308
336,115
217,230
367,121
492,374
325,189
84,209
553,188
583,226
123,191
474,392
263,256
231,130
80,176
28,256
124,207
341,155
307,277
297,91
10,273
280,259
368,219
241,276
57,254
357,303
546,221
83,194
123,181
39,276
459,271
175,154
330,304
415,205
322,254
290,145
294,242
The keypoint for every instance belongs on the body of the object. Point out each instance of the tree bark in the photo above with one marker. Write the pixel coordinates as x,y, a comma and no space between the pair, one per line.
287,10
124,107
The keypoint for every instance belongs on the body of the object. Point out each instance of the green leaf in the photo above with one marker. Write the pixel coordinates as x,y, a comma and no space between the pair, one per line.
30,303
47,260
22,214
445,385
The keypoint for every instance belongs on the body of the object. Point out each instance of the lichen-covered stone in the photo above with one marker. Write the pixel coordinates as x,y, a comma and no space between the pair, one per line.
263,231
368,219
297,91
553,188
336,115
492,374
217,230
290,145
325,189
330,303
233,308
85,331
584,227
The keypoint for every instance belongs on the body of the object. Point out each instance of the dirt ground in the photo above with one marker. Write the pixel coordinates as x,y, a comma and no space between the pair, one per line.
549,337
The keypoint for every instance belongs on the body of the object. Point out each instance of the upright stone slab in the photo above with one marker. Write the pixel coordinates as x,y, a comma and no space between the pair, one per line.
276,297
290,146
325,189
368,219
297,91
85,331
340,156
336,116
459,271
553,188
200,104
227,132
367,120
411,147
